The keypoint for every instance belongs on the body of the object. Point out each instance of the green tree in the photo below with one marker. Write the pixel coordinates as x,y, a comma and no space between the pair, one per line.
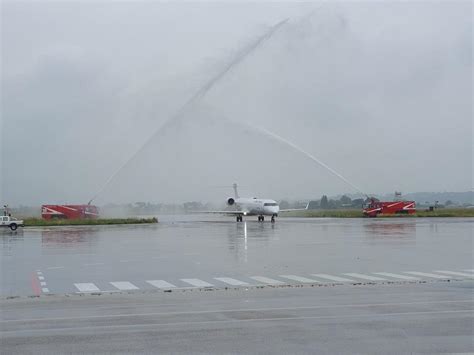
345,200
324,202
332,204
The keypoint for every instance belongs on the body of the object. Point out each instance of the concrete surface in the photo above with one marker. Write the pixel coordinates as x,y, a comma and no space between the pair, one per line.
375,319
194,251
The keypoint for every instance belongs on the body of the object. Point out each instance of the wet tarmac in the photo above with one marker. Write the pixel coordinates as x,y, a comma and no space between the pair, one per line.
199,251
369,319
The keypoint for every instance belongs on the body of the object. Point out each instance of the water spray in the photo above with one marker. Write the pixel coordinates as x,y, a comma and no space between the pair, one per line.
286,142
237,59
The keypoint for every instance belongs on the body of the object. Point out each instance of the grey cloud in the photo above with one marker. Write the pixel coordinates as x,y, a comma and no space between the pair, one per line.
381,93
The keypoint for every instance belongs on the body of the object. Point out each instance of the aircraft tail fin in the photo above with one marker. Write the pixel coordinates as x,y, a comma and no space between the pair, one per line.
236,193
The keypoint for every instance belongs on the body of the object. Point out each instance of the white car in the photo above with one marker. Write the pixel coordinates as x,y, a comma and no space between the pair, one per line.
11,222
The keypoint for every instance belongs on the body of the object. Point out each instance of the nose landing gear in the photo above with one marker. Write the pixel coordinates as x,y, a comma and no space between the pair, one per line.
273,219
239,218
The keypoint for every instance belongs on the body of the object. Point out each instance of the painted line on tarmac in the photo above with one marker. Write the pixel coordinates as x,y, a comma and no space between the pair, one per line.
365,277
197,282
427,274
160,284
86,287
300,279
266,280
124,285
455,273
38,283
333,278
269,309
285,285
223,321
35,285
397,276
231,281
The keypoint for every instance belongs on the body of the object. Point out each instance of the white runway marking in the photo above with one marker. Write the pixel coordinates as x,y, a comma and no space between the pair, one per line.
299,278
160,284
93,264
197,282
397,276
124,285
86,287
455,273
42,282
333,278
266,280
426,274
231,281
365,277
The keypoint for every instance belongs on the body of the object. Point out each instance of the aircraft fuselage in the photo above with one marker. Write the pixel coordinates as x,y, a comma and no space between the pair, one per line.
257,206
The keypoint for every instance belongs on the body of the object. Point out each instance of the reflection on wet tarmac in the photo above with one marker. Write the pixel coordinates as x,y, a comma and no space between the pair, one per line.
71,240
242,236
9,240
192,246
67,238
391,230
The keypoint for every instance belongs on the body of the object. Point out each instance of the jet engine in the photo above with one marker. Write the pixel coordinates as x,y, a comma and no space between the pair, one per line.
230,201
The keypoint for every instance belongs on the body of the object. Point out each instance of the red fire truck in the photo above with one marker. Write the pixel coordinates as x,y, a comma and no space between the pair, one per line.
375,207
69,211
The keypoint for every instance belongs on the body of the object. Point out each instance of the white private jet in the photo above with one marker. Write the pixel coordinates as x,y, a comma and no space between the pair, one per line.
246,206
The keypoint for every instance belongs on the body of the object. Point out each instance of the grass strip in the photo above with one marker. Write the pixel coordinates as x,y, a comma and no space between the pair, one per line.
39,222
442,212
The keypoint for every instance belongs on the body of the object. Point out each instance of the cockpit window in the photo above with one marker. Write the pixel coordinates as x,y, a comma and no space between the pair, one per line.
270,204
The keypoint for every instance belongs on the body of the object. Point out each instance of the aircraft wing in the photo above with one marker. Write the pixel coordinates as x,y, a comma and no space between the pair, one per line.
230,213
296,209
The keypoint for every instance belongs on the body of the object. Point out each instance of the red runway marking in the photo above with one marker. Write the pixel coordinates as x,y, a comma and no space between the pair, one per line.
35,284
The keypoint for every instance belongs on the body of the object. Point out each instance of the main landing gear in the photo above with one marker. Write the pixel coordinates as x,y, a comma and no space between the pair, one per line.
260,218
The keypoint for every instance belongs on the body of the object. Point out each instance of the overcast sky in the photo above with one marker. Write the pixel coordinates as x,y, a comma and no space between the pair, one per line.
379,91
